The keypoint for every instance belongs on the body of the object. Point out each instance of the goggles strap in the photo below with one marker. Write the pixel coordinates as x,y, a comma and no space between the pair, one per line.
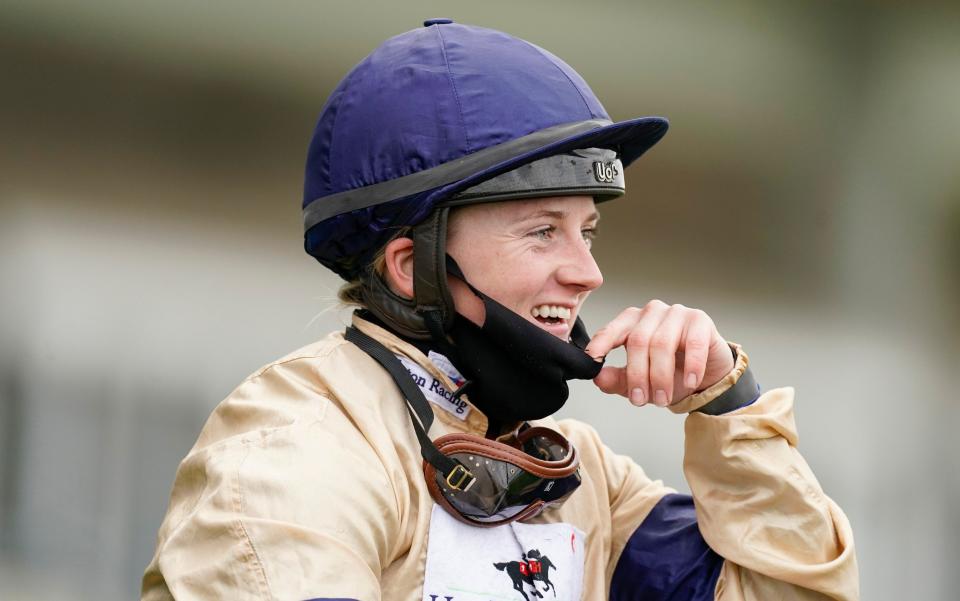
417,405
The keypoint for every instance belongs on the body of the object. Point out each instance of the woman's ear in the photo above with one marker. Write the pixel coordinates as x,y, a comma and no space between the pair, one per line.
398,256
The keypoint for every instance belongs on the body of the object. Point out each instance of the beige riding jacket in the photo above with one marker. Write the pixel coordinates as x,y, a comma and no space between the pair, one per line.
307,483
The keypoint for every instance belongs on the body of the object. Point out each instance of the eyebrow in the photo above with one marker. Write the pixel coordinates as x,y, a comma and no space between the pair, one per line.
595,216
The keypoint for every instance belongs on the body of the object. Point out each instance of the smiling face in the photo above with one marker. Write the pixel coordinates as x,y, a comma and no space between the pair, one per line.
532,256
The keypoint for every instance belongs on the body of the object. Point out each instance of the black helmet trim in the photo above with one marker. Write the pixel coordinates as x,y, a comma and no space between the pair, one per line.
326,207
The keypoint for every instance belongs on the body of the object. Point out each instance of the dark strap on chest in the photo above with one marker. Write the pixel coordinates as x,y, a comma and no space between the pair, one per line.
417,405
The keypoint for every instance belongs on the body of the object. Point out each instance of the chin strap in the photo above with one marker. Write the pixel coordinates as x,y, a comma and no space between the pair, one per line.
430,291
454,472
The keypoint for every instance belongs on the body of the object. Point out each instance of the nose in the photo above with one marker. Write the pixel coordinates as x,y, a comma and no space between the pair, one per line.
579,269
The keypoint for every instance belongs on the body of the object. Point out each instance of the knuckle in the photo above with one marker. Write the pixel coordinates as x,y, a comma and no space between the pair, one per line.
660,340
662,371
655,304
637,339
626,318
635,373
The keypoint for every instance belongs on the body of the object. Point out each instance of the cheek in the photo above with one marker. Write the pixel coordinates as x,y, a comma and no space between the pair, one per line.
517,290
466,302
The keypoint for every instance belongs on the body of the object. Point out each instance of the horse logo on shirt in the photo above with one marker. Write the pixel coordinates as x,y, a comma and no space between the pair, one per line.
532,569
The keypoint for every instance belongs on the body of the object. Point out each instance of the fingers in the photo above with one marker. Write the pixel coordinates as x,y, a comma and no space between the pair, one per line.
632,328
612,380
614,334
664,344
668,352
639,349
696,349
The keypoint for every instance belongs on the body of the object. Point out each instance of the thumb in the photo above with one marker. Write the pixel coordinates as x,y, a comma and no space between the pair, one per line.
612,380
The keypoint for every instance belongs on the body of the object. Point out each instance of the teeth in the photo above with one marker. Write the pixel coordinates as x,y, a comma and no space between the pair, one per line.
553,311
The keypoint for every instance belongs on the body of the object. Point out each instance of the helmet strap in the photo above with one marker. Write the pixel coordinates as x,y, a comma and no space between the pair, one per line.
431,312
430,291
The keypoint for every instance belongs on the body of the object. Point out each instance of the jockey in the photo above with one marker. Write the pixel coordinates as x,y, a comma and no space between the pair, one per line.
453,181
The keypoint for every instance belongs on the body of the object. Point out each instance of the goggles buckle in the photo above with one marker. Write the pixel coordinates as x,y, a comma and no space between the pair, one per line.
463,476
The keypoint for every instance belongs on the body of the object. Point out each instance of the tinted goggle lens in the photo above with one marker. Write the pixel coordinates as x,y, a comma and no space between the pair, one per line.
502,489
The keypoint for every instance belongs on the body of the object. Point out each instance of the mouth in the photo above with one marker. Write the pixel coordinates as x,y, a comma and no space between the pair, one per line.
553,318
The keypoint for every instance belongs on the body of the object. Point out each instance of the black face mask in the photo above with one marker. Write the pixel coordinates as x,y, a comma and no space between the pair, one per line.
517,371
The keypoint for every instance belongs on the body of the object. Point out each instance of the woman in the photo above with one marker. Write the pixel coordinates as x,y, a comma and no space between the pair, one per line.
452,180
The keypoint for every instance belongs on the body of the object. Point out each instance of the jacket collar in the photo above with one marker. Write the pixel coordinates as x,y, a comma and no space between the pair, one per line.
475,423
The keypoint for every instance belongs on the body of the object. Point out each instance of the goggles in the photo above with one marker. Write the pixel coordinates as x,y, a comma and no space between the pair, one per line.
496,483
479,481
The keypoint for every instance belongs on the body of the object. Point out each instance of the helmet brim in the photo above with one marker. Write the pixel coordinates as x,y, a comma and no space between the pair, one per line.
630,139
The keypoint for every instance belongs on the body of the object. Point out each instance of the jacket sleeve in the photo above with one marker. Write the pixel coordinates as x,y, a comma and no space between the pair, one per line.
758,525
276,503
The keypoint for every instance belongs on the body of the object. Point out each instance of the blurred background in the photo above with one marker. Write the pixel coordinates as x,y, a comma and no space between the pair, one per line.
807,197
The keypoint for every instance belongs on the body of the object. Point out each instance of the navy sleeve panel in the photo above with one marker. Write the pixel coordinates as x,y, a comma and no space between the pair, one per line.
667,558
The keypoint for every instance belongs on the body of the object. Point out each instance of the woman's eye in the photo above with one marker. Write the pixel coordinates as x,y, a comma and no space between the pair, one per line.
589,235
543,234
